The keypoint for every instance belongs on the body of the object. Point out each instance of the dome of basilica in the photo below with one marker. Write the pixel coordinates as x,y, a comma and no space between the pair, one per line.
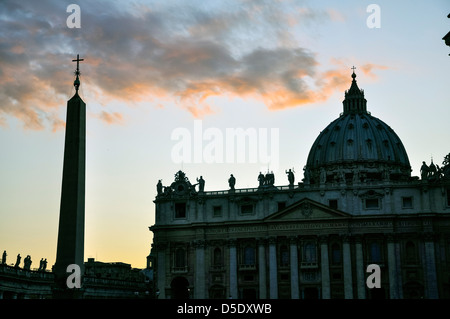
356,147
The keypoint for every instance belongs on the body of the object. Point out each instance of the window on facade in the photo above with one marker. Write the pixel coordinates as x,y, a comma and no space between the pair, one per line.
180,210
249,255
217,211
372,203
180,258
284,256
247,209
309,254
336,256
375,252
217,257
333,203
407,202
410,252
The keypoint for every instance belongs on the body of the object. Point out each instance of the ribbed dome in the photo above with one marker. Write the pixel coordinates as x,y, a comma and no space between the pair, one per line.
357,143
357,137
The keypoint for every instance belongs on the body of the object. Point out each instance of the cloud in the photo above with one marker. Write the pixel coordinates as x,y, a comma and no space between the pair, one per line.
336,15
175,50
368,68
111,118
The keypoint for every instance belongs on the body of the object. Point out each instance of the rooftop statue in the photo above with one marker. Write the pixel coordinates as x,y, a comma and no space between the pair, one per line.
306,175
424,170
232,182
159,187
18,261
201,184
291,177
261,179
446,167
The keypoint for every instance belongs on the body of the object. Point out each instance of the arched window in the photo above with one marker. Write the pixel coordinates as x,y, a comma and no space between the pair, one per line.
249,255
336,255
217,257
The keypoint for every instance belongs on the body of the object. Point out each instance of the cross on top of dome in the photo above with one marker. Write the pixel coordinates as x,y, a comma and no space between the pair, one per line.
354,98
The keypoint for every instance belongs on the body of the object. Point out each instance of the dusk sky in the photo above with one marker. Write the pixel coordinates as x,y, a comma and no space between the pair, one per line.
155,70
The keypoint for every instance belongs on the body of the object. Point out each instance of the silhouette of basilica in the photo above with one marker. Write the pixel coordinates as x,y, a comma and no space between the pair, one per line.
357,205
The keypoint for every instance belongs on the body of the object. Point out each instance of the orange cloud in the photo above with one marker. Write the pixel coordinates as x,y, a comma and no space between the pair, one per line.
368,67
279,97
335,15
111,118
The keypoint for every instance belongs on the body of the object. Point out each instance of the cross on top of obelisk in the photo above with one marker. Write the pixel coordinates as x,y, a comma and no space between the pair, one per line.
77,72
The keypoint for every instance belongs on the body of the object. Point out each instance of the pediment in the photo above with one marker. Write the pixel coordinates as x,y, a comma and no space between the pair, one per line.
307,209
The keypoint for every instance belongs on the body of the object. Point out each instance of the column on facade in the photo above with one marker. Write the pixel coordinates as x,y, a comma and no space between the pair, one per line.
325,268
233,269
392,268
360,269
161,269
294,268
430,267
398,270
273,271
262,268
200,283
347,263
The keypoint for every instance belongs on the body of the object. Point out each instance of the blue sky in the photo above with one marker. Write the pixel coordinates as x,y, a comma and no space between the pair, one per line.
154,66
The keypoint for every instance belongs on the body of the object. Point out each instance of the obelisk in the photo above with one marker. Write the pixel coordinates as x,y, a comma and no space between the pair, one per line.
70,249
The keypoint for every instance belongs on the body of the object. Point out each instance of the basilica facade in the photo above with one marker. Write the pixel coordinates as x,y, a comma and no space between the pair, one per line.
356,205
